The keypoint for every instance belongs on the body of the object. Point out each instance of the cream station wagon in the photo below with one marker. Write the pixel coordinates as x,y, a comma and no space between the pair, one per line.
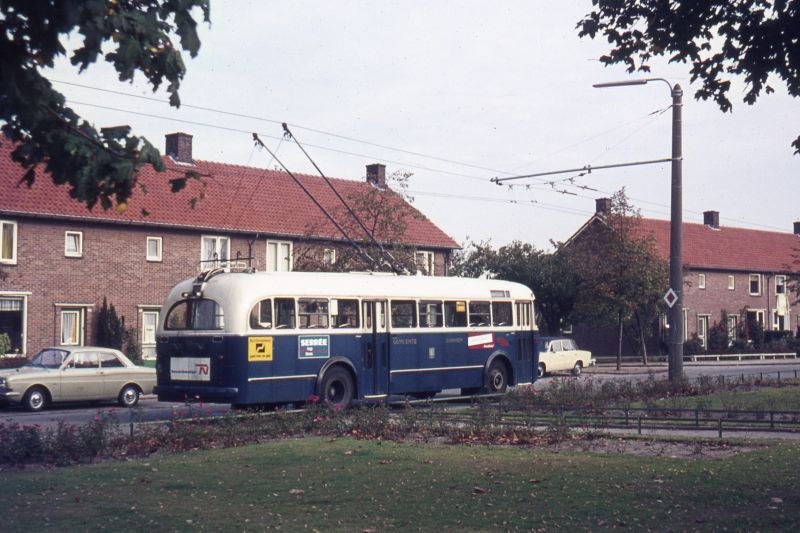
79,373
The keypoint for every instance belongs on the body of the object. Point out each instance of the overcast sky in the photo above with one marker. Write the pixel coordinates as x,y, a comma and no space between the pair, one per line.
458,93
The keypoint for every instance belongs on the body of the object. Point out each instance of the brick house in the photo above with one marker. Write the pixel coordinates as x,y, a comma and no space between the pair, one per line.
58,260
730,275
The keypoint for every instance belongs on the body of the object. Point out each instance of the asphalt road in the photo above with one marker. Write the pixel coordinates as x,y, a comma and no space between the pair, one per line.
150,409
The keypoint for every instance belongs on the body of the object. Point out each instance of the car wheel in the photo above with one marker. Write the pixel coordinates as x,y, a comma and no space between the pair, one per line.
35,399
497,378
577,369
540,371
337,388
129,396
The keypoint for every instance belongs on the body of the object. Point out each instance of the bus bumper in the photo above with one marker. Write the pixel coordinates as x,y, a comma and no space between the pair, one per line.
193,392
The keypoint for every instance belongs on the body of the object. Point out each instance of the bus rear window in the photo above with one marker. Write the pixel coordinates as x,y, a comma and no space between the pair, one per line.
201,314
261,315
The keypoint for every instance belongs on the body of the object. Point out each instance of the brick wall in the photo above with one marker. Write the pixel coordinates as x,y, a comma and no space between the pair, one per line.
113,265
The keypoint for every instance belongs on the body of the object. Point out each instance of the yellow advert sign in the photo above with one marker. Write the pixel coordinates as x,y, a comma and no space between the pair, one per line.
259,349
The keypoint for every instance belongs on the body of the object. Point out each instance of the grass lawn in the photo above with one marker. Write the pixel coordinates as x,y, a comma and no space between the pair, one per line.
764,399
349,485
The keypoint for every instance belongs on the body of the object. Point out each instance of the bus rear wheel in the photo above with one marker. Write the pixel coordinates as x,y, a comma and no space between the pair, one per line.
497,378
337,388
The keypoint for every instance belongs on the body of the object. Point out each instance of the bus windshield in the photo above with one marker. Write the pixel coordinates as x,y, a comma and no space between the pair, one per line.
199,314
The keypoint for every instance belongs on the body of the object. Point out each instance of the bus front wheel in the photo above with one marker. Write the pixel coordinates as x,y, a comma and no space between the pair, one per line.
497,378
337,388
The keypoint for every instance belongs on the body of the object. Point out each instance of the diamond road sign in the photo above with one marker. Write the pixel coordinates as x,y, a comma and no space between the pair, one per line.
671,297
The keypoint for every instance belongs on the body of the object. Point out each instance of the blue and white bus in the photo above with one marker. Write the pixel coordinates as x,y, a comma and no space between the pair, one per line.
251,338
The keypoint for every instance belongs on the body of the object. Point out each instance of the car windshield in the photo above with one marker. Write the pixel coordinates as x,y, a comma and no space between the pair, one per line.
49,358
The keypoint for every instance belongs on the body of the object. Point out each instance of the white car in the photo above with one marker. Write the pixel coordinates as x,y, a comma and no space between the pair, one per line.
76,373
559,354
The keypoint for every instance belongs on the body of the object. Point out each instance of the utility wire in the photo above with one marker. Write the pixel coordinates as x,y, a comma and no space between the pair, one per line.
355,245
391,262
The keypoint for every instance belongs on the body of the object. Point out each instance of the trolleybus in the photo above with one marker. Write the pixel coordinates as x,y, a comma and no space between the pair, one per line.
250,338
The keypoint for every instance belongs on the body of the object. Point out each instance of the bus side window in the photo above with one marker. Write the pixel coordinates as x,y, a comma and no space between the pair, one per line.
313,313
403,314
455,314
284,309
261,315
347,316
501,314
430,314
479,314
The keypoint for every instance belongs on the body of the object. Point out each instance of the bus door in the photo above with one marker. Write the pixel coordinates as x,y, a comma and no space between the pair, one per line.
375,361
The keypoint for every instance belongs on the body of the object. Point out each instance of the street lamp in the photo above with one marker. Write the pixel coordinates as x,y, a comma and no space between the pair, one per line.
676,227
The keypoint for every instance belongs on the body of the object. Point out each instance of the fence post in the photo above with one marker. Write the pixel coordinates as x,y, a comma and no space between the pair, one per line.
639,423
719,420
771,420
697,418
626,417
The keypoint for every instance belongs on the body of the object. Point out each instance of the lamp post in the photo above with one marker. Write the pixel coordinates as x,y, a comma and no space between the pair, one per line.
676,227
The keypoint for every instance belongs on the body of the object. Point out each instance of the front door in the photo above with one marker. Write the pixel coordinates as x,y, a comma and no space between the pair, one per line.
375,354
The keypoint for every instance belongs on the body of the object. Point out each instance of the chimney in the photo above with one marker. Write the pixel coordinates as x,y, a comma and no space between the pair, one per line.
711,219
179,146
602,206
376,175
797,228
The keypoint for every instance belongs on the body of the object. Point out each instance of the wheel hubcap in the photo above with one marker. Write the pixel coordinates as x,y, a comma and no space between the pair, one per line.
37,400
497,381
129,397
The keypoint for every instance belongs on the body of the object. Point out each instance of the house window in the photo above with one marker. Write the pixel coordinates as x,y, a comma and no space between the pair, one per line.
149,327
780,322
755,284
701,281
154,248
73,243
8,242
424,262
756,316
733,327
780,284
702,330
214,251
279,256
329,256
731,283
71,327
12,321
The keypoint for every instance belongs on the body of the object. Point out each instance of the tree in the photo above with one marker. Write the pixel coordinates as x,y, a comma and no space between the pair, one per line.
99,166
621,277
756,39
385,212
110,329
547,275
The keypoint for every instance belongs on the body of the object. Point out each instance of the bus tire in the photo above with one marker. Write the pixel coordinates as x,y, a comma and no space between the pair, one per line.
497,378
337,388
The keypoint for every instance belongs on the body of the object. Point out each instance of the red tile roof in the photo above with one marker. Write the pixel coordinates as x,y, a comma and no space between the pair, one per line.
729,248
230,198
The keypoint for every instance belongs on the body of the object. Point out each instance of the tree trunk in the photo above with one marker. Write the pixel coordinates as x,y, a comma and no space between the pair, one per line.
619,346
641,339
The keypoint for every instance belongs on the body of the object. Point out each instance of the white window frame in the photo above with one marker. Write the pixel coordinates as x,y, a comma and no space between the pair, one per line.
732,320
209,262
685,324
157,257
77,313
701,281
731,283
274,257
780,285
79,251
703,320
750,284
12,260
329,256
425,261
